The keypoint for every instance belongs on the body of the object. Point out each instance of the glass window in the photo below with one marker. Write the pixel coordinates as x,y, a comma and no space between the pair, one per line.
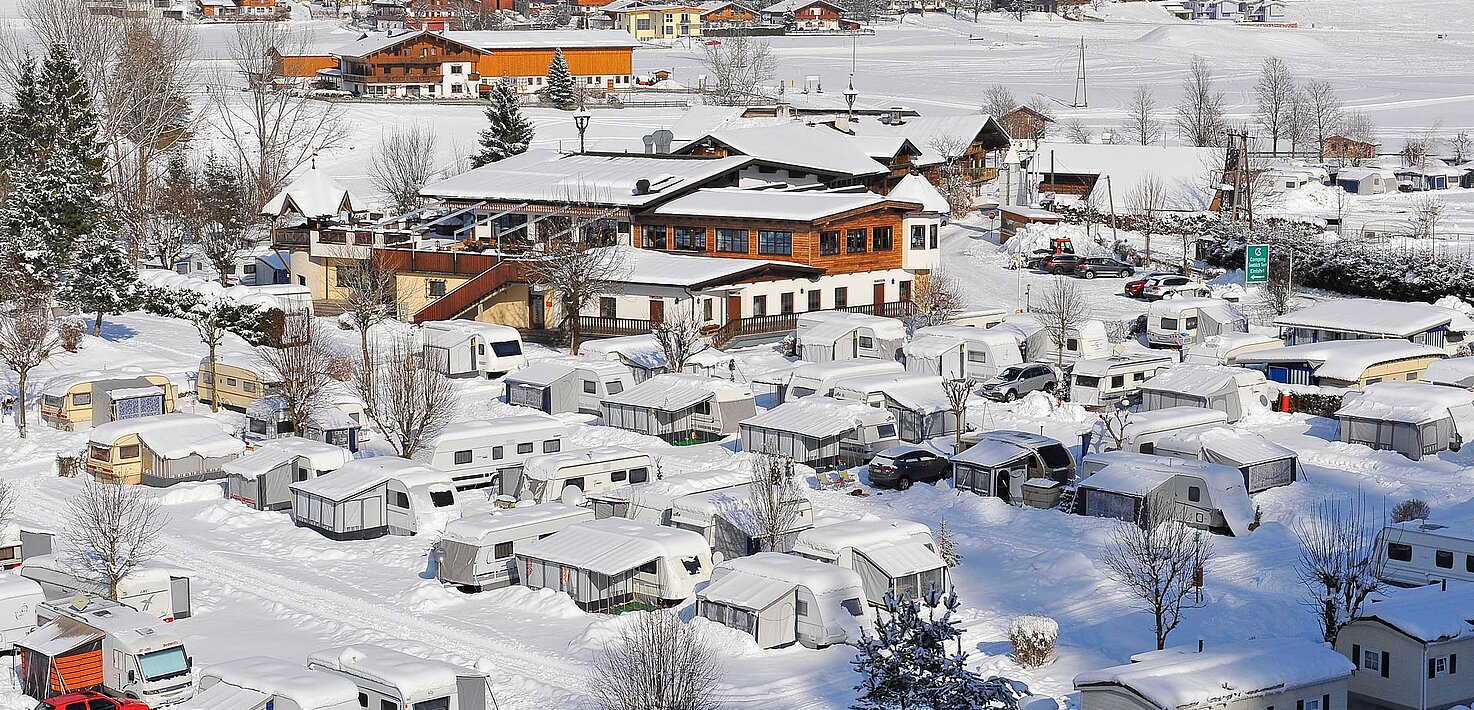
785,303
497,453
1169,324
1118,381
918,236
802,608
1194,494
880,238
552,446
639,475
614,387
399,499
691,238
1444,559
607,307
81,399
436,287
128,452
932,232
249,386
828,243
1190,323
463,457
770,242
501,551
442,499
655,236
759,306
732,241
1371,659
841,297
854,241
814,297
524,448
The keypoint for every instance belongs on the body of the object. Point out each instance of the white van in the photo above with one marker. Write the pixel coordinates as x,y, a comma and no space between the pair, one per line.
461,348
1102,381
151,590
1181,322
820,378
481,454
1144,429
1411,555
569,476
478,551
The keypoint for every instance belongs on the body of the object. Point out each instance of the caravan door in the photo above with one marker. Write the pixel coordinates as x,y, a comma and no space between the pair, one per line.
179,595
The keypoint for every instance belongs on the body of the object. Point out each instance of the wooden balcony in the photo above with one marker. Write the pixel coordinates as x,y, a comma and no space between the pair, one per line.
292,238
609,327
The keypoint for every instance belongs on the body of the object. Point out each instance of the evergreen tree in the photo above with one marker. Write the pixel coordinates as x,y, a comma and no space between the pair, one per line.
70,123
102,280
510,133
946,547
50,210
562,92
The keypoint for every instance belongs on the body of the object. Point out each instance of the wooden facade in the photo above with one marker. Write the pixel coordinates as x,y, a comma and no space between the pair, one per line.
535,62
1343,148
416,60
301,66
729,15
1026,123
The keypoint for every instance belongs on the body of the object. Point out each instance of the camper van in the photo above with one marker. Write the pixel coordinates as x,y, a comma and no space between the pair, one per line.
1225,348
828,336
651,501
563,385
240,378
1144,429
1235,391
102,396
157,591
478,551
484,453
604,564
822,432
1000,464
955,352
1413,555
1182,322
780,599
820,378
468,348
1203,495
726,519
105,646
1104,381
369,498
390,679
19,598
281,686
568,477
895,556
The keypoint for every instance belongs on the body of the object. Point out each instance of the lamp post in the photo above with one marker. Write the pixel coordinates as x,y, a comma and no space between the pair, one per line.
581,121
849,100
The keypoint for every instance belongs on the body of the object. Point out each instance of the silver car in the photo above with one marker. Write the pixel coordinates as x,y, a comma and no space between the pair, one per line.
1018,380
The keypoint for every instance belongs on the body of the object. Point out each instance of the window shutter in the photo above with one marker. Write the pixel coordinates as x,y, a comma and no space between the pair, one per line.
1431,667
1386,664
1356,655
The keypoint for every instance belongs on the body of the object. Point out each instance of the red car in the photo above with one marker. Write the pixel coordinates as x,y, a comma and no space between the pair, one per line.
89,700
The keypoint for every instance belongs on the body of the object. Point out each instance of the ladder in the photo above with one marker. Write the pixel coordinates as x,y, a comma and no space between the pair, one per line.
1067,499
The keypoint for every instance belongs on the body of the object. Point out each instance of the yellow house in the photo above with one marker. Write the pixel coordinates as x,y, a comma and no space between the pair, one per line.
239,378
101,396
161,450
660,22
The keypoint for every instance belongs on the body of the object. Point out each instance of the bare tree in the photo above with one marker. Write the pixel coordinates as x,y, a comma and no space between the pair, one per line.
740,66
1276,296
301,365
1339,565
1463,146
209,316
577,275
372,298
998,101
403,164
936,298
1159,561
1076,132
1062,309
27,338
1113,422
1142,125
955,186
1045,110
679,334
958,391
1274,93
1148,199
657,662
1410,509
1425,215
7,502
1200,109
1417,149
112,530
408,404
775,498
1322,113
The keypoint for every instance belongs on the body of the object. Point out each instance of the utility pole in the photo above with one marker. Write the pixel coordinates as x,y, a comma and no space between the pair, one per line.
1082,94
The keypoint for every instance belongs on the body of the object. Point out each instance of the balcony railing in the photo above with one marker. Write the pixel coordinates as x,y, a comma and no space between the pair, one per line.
292,237
598,325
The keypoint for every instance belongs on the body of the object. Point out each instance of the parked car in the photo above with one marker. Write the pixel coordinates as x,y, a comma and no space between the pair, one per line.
900,466
89,700
1159,286
1061,263
1018,380
1103,266
1035,259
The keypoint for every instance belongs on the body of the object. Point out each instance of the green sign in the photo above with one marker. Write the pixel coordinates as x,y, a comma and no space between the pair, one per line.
1256,264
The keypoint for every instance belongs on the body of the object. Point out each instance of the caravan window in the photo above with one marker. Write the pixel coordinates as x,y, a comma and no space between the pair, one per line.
853,606
524,448
81,399
1469,563
1194,494
363,700
463,457
1072,344
1169,324
1118,381
399,499
589,387
614,387
1444,559
647,568
509,348
618,476
501,550
388,705
1400,552
442,499
693,566
802,608
436,704
977,356
639,475
867,342
480,348
887,431
497,453
552,446
249,386
1190,323
128,452
1086,381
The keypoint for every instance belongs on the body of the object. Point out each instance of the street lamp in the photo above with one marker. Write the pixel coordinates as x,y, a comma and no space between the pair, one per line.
849,100
581,121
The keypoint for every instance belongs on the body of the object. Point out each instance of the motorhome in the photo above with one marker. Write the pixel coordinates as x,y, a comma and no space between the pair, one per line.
681,408
260,479
372,497
468,348
827,336
157,591
1225,348
651,501
891,556
1000,463
102,396
1143,430
822,432
780,599
570,476
273,684
161,450
955,352
487,453
1183,322
98,644
19,597
478,551
1203,495
605,564
563,385
1104,381
1235,391
1413,554
820,378
728,521
238,379
392,679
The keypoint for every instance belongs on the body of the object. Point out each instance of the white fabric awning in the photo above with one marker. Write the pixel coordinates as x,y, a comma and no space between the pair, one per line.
746,591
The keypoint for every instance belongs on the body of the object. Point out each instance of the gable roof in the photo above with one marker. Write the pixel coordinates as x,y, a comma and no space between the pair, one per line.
650,266
1182,170
915,188
928,132
550,176
792,5
314,194
796,144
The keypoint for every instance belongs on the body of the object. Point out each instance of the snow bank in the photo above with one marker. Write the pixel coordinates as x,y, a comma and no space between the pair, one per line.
185,493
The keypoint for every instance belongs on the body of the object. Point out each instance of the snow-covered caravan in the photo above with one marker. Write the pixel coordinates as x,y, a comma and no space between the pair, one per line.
1144,429
1263,463
1101,381
18,599
1225,348
102,396
1032,339
1183,322
570,476
779,599
332,423
261,478
869,388
391,679
159,591
651,501
240,378
820,378
826,336
1203,495
161,450
1371,318
1085,339
642,354
1453,372
954,351
998,463
1412,418
921,408
725,518
263,683
490,453
478,551
1235,391
1366,181
897,556
821,432
563,385
980,317
1351,364
468,348
681,408
369,498
1414,555
604,564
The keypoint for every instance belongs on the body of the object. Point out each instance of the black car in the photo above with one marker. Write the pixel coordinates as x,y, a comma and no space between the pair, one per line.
900,466
1101,266
1061,263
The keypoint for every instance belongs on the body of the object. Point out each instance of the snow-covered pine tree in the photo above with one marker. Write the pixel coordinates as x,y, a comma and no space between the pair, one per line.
71,123
561,92
946,548
51,208
102,280
510,133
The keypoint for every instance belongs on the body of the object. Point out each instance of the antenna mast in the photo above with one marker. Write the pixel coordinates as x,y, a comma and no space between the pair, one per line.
1082,96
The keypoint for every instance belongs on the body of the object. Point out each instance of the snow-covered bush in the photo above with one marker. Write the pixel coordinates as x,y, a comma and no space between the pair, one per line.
1410,509
1033,638
69,331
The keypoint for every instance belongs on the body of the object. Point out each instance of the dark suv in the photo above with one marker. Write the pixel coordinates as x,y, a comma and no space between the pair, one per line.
900,466
1061,263
1101,266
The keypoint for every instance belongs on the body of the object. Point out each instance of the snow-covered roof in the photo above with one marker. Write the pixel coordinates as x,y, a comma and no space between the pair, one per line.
1219,346
749,591
781,205
657,495
928,346
915,188
14,586
1409,402
1007,333
313,194
1167,418
542,373
819,416
614,545
1215,308
992,453
1343,359
828,541
1428,614
359,475
273,676
828,331
1177,678
1369,316
642,351
792,5
922,395
416,678
59,385
1363,173
134,392
1202,380
1181,170
927,133
819,577
480,528
225,696
542,39
793,143
321,456
676,391
1227,445
1454,372
550,176
1100,366
1141,474
546,466
881,148
843,368
172,436
452,332
650,266
496,431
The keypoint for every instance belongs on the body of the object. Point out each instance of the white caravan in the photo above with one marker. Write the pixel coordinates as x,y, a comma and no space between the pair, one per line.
1414,555
604,564
780,599
1226,348
827,336
19,598
468,348
570,476
484,453
1103,381
103,645
870,389
1144,429
478,551
954,351
572,384
820,378
1182,322
1235,391
158,591
391,679
651,502
262,683
897,556
728,520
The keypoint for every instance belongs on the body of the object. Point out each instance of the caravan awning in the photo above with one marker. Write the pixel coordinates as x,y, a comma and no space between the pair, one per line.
746,591
224,696
58,637
903,559
991,453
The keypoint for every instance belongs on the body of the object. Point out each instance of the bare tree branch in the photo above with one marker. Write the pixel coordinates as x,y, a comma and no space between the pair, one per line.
112,530
1159,560
408,404
403,164
656,663
1339,565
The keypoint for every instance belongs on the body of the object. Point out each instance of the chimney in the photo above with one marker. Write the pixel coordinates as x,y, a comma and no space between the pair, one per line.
642,187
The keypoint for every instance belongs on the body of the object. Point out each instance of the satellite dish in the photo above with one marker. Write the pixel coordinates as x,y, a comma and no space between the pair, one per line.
572,496
718,558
